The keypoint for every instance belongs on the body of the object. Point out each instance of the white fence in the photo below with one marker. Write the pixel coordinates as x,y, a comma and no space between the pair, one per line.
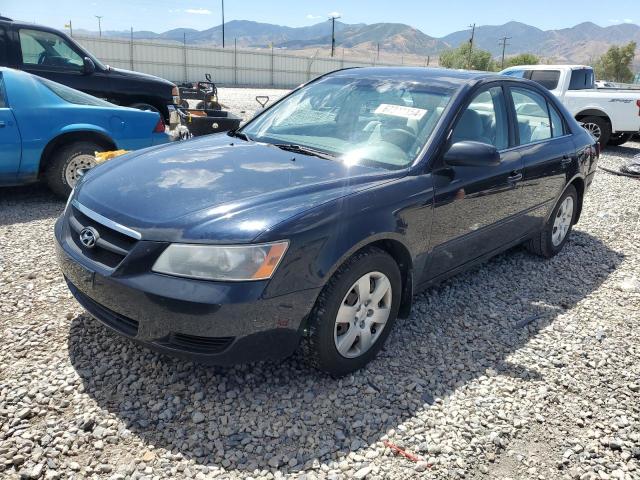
229,66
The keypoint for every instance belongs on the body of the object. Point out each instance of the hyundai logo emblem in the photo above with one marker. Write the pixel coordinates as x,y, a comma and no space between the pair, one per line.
89,237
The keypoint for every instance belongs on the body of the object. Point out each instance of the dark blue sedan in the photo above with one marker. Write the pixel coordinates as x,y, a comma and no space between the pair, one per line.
316,222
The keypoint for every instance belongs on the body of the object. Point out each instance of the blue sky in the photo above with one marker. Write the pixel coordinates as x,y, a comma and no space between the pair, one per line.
434,18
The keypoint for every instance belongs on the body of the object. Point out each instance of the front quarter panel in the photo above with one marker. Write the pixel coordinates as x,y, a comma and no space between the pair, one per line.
323,238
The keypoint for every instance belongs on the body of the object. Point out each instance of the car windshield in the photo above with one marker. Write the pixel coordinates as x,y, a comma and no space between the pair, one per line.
383,123
73,96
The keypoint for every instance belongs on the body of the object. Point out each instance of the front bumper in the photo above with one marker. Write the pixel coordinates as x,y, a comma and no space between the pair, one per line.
218,323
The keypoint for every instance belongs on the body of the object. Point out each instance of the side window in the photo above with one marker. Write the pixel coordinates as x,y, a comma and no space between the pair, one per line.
515,73
49,50
3,101
4,60
582,79
547,78
532,115
557,125
485,120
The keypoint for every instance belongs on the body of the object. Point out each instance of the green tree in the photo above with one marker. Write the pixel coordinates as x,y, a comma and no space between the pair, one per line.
459,58
615,65
521,59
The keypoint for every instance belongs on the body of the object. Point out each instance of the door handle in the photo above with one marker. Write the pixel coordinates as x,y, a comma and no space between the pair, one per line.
2,124
566,160
515,177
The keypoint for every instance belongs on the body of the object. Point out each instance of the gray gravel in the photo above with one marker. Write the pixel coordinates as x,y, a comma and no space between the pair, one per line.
522,368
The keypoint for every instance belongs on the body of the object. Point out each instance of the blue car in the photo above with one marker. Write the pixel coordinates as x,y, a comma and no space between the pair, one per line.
50,132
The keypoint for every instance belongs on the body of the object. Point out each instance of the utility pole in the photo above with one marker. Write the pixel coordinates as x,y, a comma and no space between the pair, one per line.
503,42
333,33
70,27
99,17
378,55
473,33
222,23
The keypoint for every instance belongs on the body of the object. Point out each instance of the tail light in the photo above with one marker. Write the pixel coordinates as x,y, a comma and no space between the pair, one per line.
638,105
175,93
159,128
597,150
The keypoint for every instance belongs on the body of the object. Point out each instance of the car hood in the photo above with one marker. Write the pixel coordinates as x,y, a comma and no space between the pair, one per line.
140,76
217,188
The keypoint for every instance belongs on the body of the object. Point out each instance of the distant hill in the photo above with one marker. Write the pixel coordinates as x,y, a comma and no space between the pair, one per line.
579,44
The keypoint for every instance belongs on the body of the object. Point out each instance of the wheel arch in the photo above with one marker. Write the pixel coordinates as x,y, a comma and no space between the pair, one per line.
70,136
579,185
399,252
593,112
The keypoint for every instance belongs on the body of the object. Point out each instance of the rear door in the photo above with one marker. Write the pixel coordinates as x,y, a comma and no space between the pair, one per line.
11,150
546,148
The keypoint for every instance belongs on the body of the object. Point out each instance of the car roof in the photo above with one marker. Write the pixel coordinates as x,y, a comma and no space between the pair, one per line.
546,67
455,78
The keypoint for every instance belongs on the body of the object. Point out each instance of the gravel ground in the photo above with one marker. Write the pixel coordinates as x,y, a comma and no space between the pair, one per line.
522,368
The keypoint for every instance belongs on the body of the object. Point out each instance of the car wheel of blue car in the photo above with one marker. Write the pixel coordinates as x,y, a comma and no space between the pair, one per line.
354,313
64,169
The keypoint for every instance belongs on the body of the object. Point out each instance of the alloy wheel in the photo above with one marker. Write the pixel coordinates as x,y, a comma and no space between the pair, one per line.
363,314
593,129
562,221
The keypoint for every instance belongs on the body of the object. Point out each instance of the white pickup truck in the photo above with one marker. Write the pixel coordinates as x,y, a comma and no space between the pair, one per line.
612,116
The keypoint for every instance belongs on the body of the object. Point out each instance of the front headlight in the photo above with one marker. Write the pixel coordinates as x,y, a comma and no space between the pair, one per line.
221,262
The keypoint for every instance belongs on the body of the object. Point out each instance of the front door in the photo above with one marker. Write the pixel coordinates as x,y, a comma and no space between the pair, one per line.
475,207
11,150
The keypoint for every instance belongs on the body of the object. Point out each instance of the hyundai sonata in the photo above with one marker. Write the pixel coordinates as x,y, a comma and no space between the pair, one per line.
317,221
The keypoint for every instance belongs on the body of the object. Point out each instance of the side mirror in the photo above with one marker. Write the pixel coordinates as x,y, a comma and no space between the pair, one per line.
472,154
88,66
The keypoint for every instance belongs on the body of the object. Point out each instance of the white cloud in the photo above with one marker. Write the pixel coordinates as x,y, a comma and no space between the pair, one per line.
198,11
311,16
628,20
334,14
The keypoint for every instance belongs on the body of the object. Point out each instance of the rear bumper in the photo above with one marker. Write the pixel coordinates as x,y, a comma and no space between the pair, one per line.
209,322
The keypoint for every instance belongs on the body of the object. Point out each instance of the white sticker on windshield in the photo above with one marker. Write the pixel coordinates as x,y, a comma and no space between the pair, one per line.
401,111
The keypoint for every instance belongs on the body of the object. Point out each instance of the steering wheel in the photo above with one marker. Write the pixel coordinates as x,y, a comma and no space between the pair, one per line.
399,137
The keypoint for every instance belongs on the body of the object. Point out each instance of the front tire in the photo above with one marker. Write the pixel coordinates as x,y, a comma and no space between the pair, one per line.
62,173
354,313
556,232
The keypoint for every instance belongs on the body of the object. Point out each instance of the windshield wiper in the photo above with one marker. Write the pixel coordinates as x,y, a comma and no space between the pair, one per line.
292,147
240,135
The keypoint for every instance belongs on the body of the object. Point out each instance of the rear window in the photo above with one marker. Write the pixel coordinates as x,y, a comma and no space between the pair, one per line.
581,79
547,78
3,46
515,73
3,101
73,96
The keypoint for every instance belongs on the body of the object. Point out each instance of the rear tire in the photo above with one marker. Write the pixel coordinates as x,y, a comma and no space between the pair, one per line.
617,139
327,331
599,128
61,174
548,243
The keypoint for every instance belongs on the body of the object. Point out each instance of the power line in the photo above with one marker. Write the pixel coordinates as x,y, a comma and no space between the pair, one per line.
333,19
503,42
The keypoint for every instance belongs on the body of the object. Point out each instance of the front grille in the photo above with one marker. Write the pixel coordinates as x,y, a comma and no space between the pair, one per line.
112,246
196,344
125,325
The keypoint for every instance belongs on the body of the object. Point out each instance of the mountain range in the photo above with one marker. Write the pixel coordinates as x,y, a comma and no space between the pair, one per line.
579,44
